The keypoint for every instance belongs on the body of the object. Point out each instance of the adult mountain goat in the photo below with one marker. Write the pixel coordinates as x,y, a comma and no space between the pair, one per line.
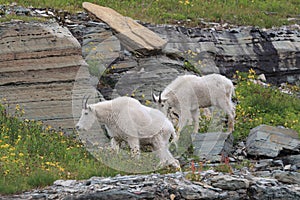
186,94
128,120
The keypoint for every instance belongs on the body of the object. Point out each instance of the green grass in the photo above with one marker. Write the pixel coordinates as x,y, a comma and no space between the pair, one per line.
22,18
34,155
264,105
260,13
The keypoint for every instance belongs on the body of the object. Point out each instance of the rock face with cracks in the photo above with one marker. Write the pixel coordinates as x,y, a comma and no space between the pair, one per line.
271,141
38,67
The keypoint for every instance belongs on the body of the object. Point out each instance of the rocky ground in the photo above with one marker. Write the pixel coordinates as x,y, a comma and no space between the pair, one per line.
210,185
266,166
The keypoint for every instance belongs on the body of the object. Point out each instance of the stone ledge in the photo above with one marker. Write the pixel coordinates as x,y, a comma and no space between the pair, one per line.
213,185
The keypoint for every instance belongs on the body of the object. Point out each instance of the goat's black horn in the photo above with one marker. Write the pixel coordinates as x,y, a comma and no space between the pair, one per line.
85,104
153,96
82,103
159,99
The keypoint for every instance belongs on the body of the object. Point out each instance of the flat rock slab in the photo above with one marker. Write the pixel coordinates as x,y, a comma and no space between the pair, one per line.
132,35
212,145
227,182
271,141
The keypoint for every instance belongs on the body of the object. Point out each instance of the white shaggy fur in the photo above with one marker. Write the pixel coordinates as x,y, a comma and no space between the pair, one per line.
186,94
128,120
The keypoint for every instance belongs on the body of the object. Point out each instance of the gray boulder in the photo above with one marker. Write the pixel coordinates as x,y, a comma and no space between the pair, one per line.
212,146
287,177
228,182
271,141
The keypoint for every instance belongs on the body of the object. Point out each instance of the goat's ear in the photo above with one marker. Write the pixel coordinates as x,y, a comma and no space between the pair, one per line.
90,108
161,99
155,98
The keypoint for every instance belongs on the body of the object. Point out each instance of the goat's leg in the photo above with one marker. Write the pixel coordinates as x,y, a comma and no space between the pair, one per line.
114,144
182,121
134,145
228,107
231,117
195,116
160,146
230,110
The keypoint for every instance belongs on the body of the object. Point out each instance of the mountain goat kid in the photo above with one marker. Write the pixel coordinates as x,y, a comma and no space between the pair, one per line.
128,120
186,94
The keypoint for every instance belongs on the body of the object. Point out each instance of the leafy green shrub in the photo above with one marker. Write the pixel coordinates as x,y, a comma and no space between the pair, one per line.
259,104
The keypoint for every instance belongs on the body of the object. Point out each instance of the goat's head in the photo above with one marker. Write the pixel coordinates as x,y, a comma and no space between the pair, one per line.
88,116
161,102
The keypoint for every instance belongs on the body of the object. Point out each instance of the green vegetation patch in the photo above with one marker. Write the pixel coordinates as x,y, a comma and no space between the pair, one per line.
190,12
259,104
34,155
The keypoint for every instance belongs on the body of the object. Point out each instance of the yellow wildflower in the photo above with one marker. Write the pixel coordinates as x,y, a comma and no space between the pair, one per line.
186,2
48,128
12,148
251,71
3,146
17,107
147,102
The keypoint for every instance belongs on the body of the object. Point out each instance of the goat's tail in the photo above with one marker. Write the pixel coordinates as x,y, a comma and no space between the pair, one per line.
229,91
233,92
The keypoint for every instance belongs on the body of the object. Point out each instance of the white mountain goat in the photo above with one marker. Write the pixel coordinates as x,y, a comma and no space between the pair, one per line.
186,94
128,120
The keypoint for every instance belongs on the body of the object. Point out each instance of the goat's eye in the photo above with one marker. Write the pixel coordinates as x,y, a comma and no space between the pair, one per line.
162,105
